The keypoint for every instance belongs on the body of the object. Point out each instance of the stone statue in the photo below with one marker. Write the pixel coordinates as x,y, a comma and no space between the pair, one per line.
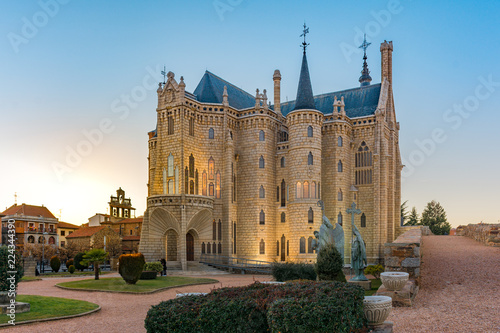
358,250
328,235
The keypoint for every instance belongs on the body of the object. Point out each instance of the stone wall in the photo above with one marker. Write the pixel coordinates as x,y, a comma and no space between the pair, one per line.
404,253
488,234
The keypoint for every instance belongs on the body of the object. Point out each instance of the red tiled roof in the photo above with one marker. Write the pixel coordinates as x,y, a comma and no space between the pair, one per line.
131,238
134,220
85,232
67,225
28,210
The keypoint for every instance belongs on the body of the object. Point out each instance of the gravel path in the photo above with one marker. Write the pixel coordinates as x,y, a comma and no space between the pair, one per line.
459,291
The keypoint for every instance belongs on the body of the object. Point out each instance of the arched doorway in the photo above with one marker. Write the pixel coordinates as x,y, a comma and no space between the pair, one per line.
189,247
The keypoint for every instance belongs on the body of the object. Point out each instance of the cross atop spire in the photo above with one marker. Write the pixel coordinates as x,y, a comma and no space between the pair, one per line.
364,46
304,33
365,77
164,73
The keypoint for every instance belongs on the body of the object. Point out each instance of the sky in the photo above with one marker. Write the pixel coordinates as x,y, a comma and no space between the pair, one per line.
78,86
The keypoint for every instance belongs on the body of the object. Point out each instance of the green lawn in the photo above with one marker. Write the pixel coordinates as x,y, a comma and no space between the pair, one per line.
376,283
119,285
47,307
30,278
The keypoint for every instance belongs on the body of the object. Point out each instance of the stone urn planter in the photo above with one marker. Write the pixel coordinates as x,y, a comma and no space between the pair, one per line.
394,281
377,309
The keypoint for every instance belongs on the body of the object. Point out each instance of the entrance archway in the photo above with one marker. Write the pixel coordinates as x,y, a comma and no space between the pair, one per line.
189,247
171,245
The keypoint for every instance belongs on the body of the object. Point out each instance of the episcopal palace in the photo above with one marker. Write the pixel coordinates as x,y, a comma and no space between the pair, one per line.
236,174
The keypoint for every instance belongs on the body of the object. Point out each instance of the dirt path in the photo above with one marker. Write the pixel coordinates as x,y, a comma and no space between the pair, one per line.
460,289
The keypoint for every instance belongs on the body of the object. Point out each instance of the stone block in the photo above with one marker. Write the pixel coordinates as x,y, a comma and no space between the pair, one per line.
416,251
20,308
392,262
402,251
410,262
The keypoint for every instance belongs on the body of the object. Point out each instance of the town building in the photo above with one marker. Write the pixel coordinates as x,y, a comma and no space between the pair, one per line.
65,229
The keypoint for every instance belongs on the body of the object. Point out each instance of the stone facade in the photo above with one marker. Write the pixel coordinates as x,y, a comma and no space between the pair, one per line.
404,255
245,181
488,234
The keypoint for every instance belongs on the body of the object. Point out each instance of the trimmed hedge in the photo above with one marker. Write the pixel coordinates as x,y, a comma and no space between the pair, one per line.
71,269
130,267
6,265
148,275
291,271
55,263
153,266
317,307
69,262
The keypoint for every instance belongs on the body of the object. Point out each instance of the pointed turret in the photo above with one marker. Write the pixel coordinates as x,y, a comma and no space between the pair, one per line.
305,99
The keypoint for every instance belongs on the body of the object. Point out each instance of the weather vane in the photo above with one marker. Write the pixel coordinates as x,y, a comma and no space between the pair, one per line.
304,33
164,73
365,45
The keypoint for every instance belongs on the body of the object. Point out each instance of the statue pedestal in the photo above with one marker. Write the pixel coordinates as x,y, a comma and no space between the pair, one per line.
366,285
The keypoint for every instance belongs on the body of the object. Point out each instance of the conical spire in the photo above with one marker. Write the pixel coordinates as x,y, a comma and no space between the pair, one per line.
305,99
365,77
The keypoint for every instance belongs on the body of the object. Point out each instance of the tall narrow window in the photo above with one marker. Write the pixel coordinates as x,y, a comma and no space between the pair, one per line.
234,188
277,194
283,217
234,238
262,136
191,187
283,193
170,186
277,248
186,181
214,230
339,141
339,166
298,193
211,167
219,225
283,162
191,166
306,190
339,218
310,215
261,162
310,160
219,248
363,220
309,245
302,245
313,190
203,248
287,247
262,192
262,247
211,189
310,131
363,164
177,184
262,217
217,185
196,183
214,248
211,133
170,124
170,165
340,196
209,248
204,183
319,190
191,126
165,188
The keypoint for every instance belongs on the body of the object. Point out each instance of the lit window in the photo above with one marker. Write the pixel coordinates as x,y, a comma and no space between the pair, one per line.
170,164
298,193
211,167
306,190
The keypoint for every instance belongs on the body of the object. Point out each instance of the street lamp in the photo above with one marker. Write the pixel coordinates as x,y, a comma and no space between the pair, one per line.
43,251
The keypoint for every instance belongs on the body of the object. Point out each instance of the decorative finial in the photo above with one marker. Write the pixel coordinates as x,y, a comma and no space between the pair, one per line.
364,46
164,73
304,33
365,77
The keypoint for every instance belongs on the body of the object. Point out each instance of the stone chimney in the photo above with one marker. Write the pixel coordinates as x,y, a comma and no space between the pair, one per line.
386,56
277,91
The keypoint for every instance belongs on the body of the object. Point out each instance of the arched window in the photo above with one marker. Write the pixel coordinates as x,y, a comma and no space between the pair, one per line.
191,187
191,126
310,160
262,192
283,217
310,215
191,166
313,190
340,196
214,248
306,190
339,166
302,245
204,183
196,182
203,248
262,136
31,239
277,194
219,248
283,162
262,217
211,133
209,248
309,245
261,162
170,124
170,186
339,218
186,181
214,230
363,163
41,240
310,131
165,186
319,190
283,193
262,247
277,248
298,193
220,229
52,240
211,189
217,184
363,220
170,165
211,167
339,141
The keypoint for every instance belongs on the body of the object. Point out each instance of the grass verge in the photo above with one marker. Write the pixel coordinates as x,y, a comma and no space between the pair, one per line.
30,278
118,284
43,307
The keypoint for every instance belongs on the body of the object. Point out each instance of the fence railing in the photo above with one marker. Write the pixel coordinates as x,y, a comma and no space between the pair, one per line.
245,265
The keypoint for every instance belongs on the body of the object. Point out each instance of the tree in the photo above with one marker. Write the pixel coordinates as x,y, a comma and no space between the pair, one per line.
78,261
404,212
434,217
412,218
95,257
329,264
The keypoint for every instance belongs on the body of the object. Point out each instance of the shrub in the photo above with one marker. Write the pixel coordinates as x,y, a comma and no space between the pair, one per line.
6,265
153,266
148,275
329,264
71,269
291,271
69,262
130,267
257,308
78,262
374,270
55,263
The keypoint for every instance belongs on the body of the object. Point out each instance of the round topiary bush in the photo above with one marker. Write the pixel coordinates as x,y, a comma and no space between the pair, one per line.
78,261
55,263
71,269
69,262
130,267
329,264
153,266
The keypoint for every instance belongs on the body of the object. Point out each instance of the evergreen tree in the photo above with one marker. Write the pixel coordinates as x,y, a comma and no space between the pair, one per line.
413,217
404,213
434,217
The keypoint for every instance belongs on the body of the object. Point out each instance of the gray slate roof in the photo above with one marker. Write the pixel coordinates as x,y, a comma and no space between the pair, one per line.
211,88
359,102
305,99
